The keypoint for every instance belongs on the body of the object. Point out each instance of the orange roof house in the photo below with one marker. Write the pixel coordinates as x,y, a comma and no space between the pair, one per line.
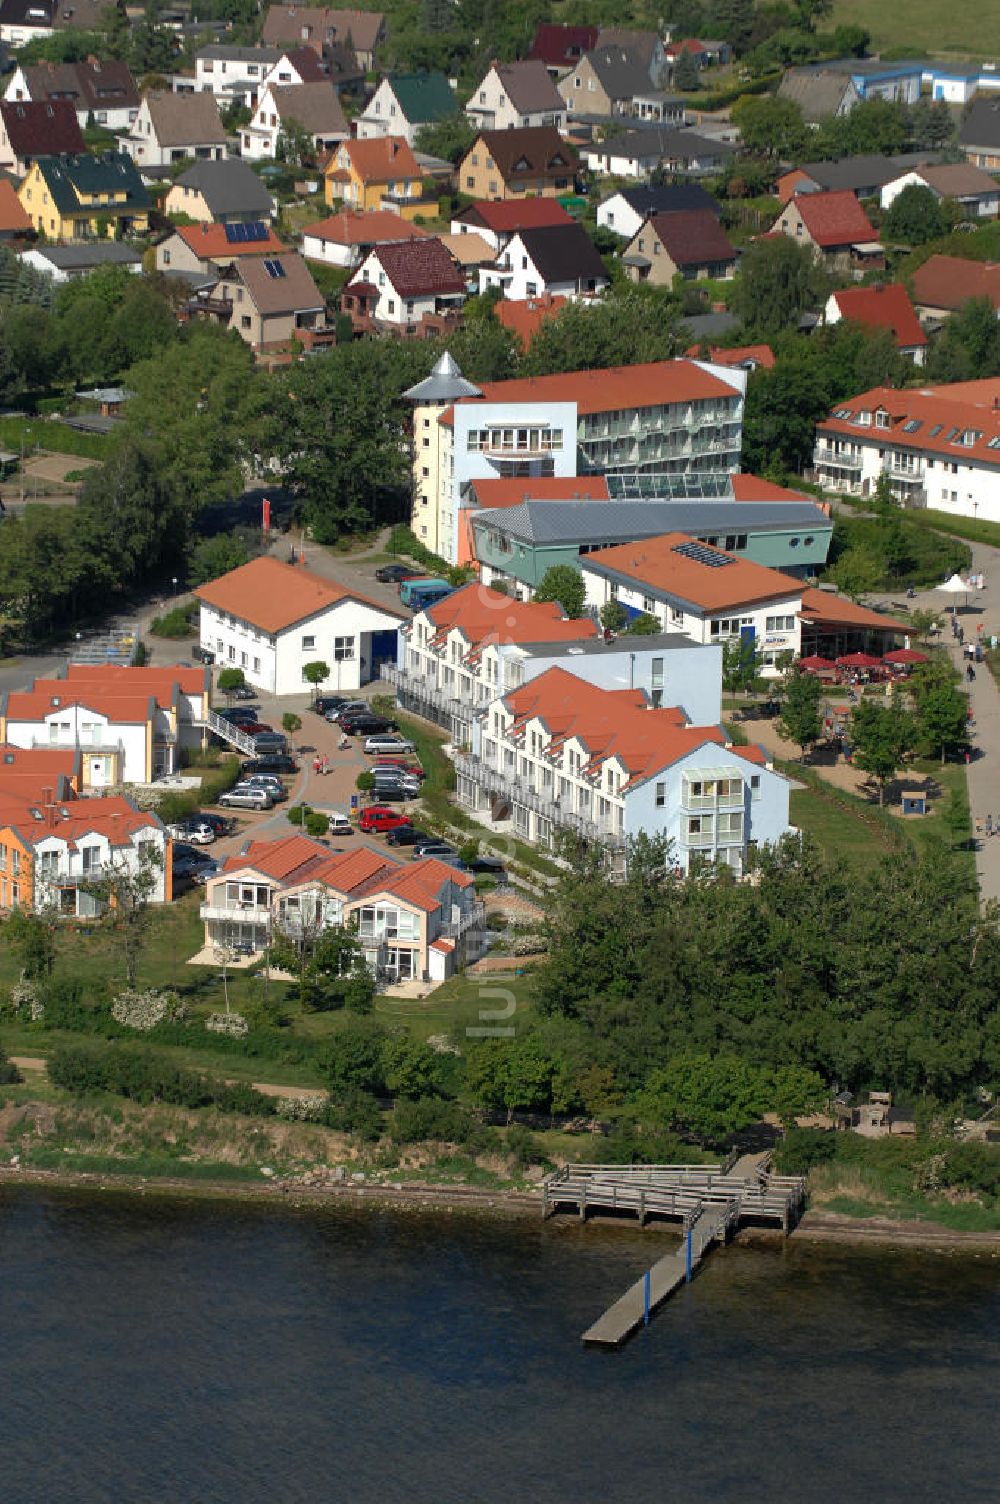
484,617
271,595
14,219
835,225
526,316
881,307
703,578
944,283
378,174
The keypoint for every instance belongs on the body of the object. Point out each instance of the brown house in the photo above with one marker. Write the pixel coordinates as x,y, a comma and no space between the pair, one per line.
323,29
836,227
690,243
511,164
267,300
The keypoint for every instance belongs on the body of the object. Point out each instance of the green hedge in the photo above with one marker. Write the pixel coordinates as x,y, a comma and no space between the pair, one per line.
215,781
45,433
142,1075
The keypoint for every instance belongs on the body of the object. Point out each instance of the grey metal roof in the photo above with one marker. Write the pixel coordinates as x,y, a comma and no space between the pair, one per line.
870,171
88,253
554,523
705,325
223,52
445,384
228,187
594,646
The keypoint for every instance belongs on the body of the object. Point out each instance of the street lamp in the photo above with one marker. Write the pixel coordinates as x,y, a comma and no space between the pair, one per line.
174,582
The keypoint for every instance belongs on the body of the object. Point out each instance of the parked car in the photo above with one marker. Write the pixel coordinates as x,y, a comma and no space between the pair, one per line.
269,781
380,818
219,823
338,822
200,833
246,798
389,744
407,765
434,848
323,704
269,741
271,762
392,793
202,874
240,715
244,692
256,728
406,835
366,725
340,713
186,859
489,866
395,574
201,655
410,787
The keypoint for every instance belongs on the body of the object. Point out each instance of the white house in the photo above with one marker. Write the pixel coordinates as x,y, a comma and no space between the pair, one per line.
701,591
102,89
50,852
636,154
409,280
560,260
270,619
231,72
171,127
404,103
514,95
316,108
561,755
969,186
344,238
625,211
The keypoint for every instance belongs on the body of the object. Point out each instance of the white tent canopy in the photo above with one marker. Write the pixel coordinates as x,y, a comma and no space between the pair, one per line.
955,586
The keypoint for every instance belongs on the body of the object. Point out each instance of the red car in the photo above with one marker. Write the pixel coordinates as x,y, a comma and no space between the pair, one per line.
379,817
254,728
398,763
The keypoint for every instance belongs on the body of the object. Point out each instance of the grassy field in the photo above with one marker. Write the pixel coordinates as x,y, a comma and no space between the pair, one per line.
968,28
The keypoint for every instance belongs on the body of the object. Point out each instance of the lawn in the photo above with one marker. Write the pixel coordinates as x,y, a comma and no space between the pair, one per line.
968,28
839,828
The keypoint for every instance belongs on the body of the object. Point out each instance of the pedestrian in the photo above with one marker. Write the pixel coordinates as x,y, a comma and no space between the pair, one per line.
989,825
316,763
968,757
979,827
326,764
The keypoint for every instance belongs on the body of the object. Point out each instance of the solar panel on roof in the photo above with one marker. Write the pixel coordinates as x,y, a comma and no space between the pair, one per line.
255,229
274,268
231,234
702,555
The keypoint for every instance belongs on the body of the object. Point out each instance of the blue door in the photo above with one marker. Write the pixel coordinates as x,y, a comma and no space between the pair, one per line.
384,649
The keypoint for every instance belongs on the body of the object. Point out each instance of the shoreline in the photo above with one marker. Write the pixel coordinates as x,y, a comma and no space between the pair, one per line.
417,1196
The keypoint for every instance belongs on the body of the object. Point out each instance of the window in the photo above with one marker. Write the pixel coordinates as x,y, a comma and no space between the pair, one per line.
648,605
779,624
661,795
308,643
343,649
256,665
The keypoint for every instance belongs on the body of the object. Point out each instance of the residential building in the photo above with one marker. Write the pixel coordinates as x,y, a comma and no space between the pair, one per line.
170,127
80,257
647,45
514,96
970,187
638,153
234,73
836,227
704,52
471,254
695,588
900,82
491,494
559,755
516,545
313,108
560,47
102,90
81,198
270,619
667,418
404,103
882,306
943,283
267,300
417,921
557,260
608,82
956,84
377,174
346,238
524,319
205,249
52,851
741,357
865,176
14,222
227,192
128,725
979,134
39,773
321,28
937,446
48,128
689,243
498,221
818,93
404,284
514,163
24,21
455,658
627,208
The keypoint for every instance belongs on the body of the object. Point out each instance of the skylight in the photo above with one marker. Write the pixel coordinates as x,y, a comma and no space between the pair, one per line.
702,555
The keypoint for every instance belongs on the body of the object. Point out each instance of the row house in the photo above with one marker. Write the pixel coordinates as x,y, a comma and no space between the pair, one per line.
625,210
415,922
324,30
227,192
458,656
937,446
558,755
498,222
204,249
676,417
129,725
51,850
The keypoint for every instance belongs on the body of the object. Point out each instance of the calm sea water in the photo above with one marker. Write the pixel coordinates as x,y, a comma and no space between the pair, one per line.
155,1351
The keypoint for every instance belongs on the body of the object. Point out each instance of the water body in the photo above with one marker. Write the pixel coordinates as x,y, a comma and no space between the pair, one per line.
154,1352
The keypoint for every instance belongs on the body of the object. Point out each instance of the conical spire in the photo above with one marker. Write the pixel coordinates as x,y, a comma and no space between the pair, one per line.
445,384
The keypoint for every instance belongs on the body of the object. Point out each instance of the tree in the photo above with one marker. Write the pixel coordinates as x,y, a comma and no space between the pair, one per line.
316,673
914,216
563,583
855,572
687,77
294,144
631,324
614,617
881,736
741,665
968,346
32,939
229,680
211,557
515,1074
769,126
801,721
411,1068
644,625
712,1096
450,138
290,722
779,280
353,1059
123,893
942,717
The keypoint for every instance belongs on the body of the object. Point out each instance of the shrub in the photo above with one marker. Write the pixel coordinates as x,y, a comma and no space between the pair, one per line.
9,1073
233,1024
25,998
303,1109
357,1112
801,1148
175,623
430,1118
145,1010
143,1076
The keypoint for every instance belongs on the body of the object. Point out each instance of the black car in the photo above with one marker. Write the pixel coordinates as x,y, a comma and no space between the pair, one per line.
488,866
392,793
325,703
366,725
269,741
218,823
187,859
406,835
202,655
271,762
395,574
239,715
244,692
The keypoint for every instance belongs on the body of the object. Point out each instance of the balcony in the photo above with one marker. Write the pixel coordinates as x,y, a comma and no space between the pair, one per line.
837,460
244,913
520,792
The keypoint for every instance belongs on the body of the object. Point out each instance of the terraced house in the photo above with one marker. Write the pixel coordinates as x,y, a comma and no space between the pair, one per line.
51,850
84,198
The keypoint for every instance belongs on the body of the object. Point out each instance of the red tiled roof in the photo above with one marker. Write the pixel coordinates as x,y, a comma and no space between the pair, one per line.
509,490
887,307
516,214
378,227
418,267
754,488
562,46
818,606
210,242
113,817
619,387
949,281
834,218
47,695
524,318
272,595
13,218
942,414
761,355
156,681
382,160
483,615
44,128
656,562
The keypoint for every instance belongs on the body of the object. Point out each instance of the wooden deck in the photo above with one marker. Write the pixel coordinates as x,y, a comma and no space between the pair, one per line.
709,1202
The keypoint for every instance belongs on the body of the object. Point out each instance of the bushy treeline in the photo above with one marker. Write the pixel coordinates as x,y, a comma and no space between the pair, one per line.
144,1076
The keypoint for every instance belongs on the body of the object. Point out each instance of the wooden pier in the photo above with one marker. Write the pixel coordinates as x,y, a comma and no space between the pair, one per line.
709,1202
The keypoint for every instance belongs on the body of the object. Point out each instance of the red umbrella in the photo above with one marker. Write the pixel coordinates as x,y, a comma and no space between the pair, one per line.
905,655
859,660
815,664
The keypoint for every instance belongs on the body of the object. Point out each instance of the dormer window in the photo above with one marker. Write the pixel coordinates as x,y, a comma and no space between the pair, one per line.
882,418
864,419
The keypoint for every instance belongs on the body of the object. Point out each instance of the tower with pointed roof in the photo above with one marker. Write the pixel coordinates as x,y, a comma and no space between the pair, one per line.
431,397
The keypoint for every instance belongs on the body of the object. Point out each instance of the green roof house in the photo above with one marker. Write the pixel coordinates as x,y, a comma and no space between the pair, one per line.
405,102
80,198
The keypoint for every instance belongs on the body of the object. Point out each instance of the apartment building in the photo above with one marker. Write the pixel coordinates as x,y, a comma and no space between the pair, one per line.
560,755
51,849
672,417
937,446
415,921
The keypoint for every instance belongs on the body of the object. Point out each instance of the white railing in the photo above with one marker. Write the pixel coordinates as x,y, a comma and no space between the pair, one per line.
227,731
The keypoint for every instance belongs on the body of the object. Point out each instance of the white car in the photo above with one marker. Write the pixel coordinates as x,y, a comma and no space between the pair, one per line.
380,745
200,833
339,824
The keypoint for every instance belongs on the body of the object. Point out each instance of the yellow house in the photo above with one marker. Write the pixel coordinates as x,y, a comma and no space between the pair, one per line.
378,174
84,198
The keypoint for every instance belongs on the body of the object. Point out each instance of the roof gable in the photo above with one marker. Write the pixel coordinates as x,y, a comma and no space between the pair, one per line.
273,596
692,237
530,151
834,219
418,267
46,127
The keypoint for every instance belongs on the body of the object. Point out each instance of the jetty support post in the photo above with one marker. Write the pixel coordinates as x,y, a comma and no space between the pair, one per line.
645,1298
687,1265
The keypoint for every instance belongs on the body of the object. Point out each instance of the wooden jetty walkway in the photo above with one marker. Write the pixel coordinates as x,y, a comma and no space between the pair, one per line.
709,1201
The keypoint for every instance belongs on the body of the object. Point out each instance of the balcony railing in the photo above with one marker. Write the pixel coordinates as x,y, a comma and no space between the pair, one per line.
246,913
521,793
698,802
836,459
471,917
